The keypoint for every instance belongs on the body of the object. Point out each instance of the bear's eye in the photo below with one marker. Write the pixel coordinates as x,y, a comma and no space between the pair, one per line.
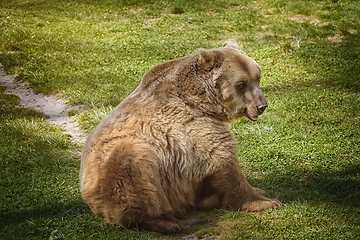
241,85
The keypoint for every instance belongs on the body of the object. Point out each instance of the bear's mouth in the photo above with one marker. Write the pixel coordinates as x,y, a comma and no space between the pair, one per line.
252,118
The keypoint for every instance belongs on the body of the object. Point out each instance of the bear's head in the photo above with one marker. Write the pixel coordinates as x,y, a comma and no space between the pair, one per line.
236,81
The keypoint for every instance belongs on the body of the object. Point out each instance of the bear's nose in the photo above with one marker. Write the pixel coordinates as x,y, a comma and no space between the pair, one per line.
262,108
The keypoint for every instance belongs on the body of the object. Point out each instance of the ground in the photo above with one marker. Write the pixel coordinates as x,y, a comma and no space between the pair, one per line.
304,150
51,105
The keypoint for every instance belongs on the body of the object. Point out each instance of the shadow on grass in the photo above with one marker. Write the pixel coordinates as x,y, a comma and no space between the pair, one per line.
43,213
327,186
334,65
337,63
71,220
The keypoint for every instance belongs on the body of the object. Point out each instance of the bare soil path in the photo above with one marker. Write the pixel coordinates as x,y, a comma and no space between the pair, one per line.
53,106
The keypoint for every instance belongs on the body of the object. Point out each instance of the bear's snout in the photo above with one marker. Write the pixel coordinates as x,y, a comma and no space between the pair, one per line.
256,102
261,108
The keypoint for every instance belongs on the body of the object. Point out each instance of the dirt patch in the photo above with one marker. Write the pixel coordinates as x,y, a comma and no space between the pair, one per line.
299,18
51,105
303,18
336,38
317,22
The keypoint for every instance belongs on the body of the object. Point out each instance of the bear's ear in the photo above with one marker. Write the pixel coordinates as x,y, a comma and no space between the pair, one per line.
231,43
210,59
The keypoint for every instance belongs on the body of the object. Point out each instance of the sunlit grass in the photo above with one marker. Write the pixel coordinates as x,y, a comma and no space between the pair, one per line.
304,150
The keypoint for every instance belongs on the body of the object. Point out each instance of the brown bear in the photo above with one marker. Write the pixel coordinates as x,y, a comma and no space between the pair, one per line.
166,150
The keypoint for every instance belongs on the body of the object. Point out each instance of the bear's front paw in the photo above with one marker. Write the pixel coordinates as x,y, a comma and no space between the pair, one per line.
260,205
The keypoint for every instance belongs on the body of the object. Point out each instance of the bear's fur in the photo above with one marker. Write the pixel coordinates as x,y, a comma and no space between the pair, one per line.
167,149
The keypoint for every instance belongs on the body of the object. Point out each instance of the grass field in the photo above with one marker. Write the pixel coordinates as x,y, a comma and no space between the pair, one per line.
304,150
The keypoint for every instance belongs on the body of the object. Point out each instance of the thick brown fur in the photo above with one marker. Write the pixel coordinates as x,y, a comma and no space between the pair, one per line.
167,150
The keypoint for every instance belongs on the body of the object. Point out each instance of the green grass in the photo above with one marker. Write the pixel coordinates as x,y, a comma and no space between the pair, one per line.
304,150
